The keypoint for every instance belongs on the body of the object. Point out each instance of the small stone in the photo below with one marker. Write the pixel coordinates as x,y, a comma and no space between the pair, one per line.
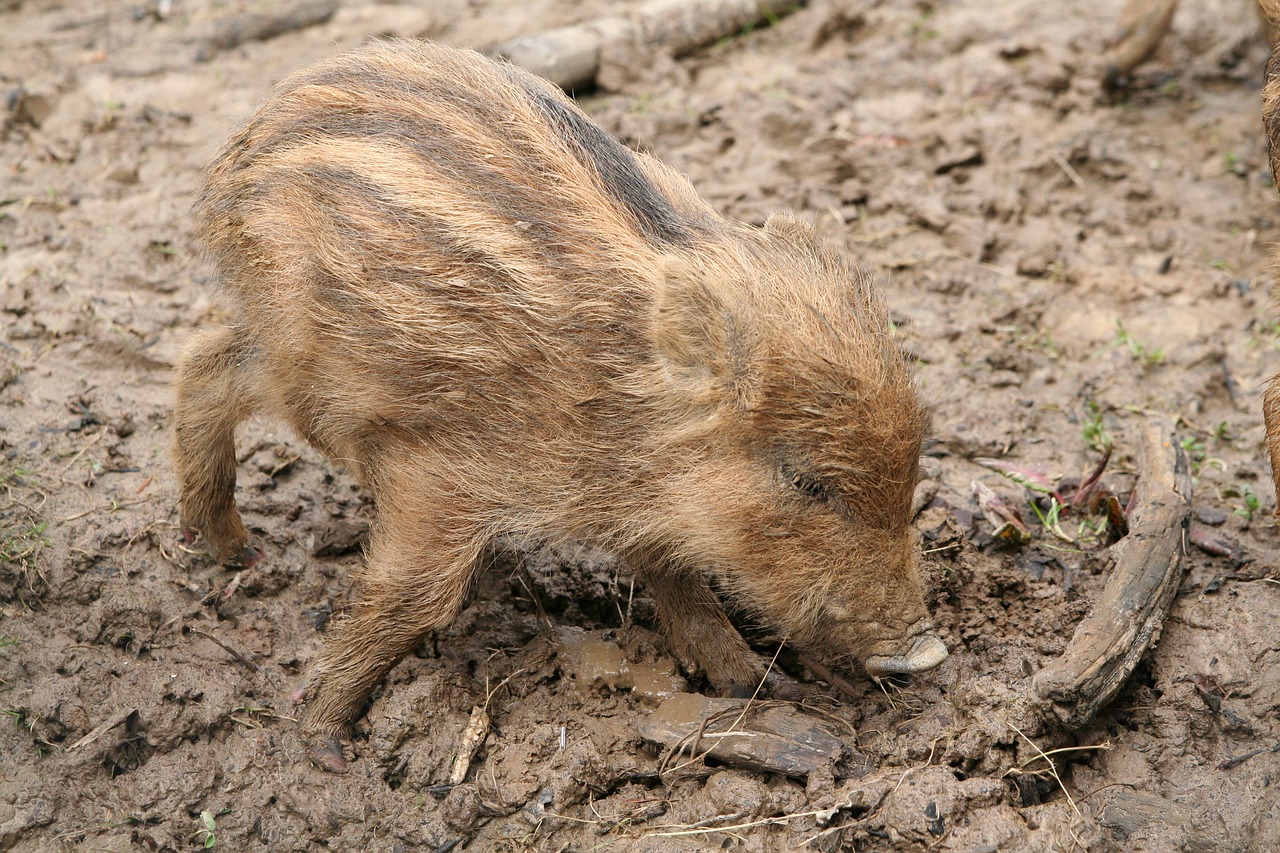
462,807
338,537
931,212
1210,516
123,172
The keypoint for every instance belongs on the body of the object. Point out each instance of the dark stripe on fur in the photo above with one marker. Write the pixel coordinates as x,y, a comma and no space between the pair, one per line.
339,189
615,164
1271,116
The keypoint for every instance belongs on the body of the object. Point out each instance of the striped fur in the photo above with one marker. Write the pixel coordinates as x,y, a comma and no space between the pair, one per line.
451,280
1271,126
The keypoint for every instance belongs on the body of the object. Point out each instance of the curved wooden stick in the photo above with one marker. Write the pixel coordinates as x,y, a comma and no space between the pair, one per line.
570,56
1128,615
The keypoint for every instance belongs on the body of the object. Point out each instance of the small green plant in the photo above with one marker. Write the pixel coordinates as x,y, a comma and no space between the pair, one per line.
1043,342
920,29
1096,510
1266,335
206,835
1050,519
1196,453
1092,531
19,476
641,104
21,547
1095,431
1233,163
1249,502
1148,357
771,18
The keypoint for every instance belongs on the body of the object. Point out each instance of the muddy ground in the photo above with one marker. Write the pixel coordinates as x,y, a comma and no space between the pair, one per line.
1060,264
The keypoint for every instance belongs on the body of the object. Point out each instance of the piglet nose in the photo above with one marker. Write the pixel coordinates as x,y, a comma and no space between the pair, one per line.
919,654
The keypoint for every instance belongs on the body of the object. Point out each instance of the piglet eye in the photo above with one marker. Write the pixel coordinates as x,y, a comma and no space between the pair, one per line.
804,483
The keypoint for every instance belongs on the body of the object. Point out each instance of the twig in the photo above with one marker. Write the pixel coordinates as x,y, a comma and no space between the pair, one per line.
234,30
258,712
34,510
826,674
720,736
1053,769
228,649
111,507
489,696
102,728
222,595
1101,746
473,734
1066,167
83,451
767,821
715,818
1232,763
537,602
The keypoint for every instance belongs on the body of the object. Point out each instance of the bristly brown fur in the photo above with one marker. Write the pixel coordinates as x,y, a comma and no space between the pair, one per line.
1271,124
507,323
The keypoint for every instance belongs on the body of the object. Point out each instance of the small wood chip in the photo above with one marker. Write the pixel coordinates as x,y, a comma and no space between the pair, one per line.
234,30
473,735
102,728
770,737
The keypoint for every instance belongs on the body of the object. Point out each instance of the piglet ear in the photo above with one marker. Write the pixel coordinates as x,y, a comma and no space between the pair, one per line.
701,338
788,226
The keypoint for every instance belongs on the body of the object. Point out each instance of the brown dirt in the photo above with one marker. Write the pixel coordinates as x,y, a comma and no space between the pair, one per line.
1020,222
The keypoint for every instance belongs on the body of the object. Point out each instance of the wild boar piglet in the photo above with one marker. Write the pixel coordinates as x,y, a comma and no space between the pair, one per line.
1271,125
449,280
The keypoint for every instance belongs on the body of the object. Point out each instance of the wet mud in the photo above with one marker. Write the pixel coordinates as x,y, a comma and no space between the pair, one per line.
1059,262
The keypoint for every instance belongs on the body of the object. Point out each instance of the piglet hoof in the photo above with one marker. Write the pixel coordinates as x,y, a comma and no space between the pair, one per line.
188,537
298,695
325,752
248,558
742,691
792,691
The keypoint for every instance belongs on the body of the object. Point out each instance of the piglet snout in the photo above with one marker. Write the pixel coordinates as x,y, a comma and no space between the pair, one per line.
918,653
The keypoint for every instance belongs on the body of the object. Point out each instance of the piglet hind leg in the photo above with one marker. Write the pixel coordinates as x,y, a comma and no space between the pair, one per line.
213,397
419,568
1271,416
698,629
